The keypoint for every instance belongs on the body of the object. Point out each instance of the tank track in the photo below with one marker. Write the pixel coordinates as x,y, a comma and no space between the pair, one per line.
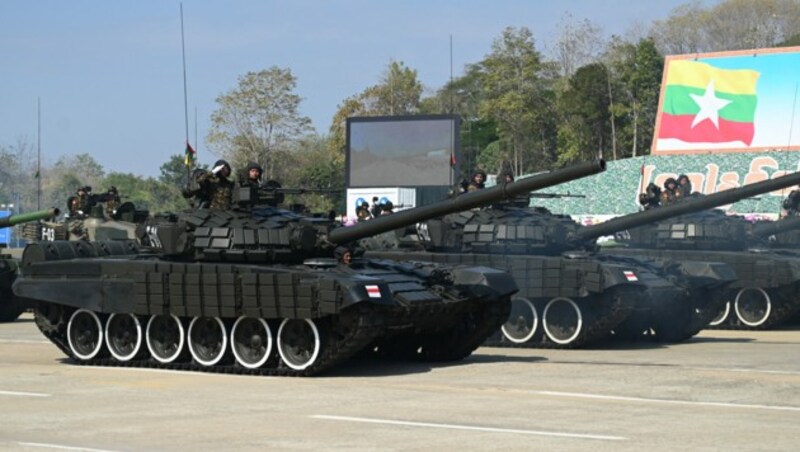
333,354
781,314
600,327
477,323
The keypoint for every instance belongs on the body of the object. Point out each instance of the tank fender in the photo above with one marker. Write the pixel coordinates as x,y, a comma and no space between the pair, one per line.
361,289
632,275
703,274
484,280
95,294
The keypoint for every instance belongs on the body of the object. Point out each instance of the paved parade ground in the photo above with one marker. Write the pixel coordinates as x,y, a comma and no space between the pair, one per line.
723,390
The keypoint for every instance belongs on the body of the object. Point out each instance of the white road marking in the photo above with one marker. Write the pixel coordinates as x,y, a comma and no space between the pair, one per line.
467,427
667,401
24,394
23,341
743,370
60,447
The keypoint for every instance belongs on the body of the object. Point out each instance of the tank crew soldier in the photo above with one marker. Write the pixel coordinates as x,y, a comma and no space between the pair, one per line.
343,254
478,181
212,189
84,198
112,200
685,186
74,208
505,176
651,197
671,192
253,173
375,209
792,203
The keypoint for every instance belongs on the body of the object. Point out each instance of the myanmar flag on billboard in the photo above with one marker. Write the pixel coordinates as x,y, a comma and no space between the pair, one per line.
707,104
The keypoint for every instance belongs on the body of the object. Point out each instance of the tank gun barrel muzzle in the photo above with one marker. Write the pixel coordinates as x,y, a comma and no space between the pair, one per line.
464,202
28,217
768,228
688,205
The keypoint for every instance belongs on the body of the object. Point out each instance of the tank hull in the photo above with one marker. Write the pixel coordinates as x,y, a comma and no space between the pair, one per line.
79,302
764,293
610,295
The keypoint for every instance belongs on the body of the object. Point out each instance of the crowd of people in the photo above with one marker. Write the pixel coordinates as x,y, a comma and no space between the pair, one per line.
672,192
379,207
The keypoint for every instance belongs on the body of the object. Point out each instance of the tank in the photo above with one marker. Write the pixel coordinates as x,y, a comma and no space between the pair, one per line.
570,294
765,291
98,224
263,290
10,306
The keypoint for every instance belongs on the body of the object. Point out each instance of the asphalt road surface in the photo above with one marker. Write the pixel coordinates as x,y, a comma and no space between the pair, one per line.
723,390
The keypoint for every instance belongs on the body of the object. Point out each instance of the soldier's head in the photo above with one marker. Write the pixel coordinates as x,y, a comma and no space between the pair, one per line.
670,184
479,177
254,171
221,168
683,180
73,204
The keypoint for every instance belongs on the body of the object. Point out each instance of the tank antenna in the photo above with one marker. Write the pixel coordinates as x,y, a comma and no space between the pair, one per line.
190,153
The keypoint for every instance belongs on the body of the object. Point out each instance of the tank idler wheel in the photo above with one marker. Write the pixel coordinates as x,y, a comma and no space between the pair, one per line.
251,342
208,340
299,343
85,334
165,338
562,320
123,336
722,316
753,306
522,321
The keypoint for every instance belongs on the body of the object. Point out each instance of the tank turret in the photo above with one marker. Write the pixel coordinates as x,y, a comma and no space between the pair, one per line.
764,292
213,290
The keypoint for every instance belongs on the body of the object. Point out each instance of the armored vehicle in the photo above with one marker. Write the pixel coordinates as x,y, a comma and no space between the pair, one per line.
262,290
10,306
96,225
765,292
571,295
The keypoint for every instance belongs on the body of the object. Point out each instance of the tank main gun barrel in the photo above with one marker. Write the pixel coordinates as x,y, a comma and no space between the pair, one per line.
768,228
28,217
688,205
464,202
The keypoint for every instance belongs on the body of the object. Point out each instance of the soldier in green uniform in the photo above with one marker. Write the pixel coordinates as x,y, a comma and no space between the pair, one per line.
213,189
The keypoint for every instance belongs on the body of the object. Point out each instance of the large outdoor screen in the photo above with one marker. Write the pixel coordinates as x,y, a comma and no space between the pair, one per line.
401,151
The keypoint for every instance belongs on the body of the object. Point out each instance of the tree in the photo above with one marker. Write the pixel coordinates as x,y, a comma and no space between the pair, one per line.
518,97
586,113
261,116
398,93
577,44
173,171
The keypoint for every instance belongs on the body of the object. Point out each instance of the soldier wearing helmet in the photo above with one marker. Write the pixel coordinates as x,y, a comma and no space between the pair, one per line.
671,193
478,181
212,189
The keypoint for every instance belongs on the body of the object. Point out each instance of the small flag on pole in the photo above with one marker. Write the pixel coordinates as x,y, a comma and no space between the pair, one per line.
190,156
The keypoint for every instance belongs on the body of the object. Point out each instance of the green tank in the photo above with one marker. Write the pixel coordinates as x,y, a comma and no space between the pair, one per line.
262,290
10,306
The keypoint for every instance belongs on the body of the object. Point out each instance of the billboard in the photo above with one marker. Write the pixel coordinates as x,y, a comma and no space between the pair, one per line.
739,101
401,151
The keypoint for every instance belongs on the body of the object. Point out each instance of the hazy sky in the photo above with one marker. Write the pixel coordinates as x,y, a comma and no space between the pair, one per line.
110,77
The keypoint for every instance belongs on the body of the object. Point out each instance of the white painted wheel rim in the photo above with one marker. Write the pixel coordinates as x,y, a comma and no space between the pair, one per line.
268,349
110,343
723,317
98,347
578,327
288,360
195,351
529,305
181,339
767,312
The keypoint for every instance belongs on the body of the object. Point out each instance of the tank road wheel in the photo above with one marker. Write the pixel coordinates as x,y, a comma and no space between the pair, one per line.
165,338
562,320
299,343
522,321
753,306
123,336
722,316
85,334
251,342
207,340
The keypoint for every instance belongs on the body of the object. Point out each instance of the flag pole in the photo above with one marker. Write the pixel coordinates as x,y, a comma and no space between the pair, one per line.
38,153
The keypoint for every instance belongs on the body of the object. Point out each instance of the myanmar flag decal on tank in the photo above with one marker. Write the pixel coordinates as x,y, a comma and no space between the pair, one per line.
706,104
